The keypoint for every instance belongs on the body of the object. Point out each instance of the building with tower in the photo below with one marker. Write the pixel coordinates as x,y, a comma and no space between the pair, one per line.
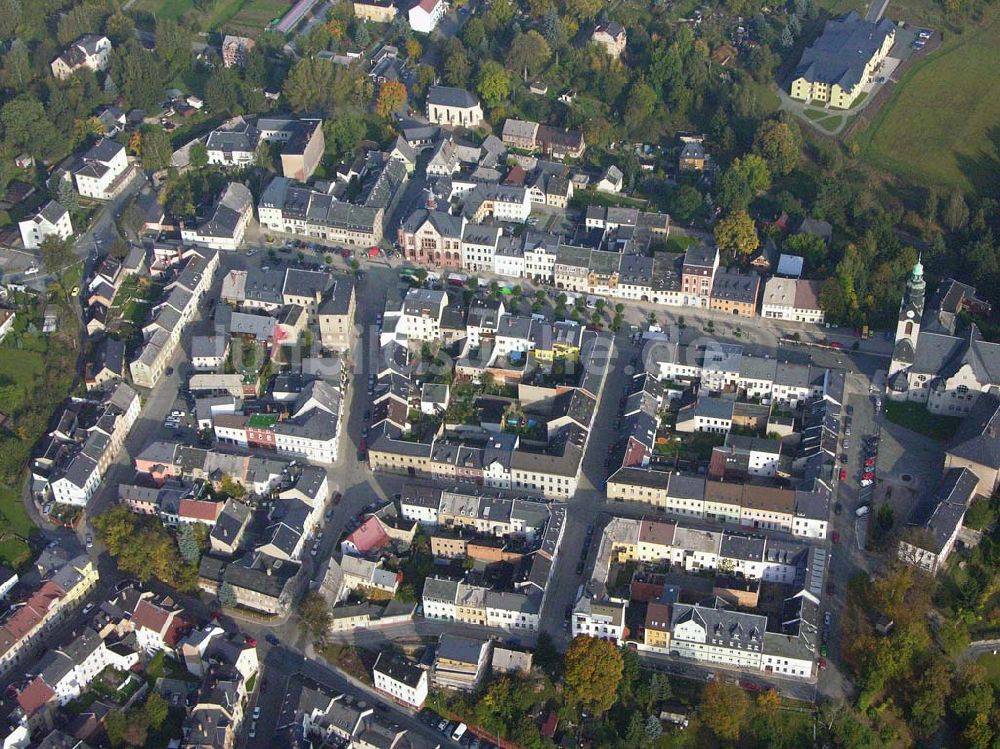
932,361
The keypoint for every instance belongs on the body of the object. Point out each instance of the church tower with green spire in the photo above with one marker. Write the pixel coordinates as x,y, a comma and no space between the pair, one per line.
908,326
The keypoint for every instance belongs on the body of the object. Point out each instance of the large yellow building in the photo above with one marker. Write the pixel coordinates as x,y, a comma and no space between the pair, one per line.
843,60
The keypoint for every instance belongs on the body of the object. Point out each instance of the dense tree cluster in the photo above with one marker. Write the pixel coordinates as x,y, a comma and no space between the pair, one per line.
143,547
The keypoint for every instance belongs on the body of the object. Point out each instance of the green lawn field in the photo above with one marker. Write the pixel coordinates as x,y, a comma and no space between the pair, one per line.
942,124
239,16
170,9
18,370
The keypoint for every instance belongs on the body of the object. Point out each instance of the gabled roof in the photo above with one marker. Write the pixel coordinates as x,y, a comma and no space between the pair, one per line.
446,96
978,437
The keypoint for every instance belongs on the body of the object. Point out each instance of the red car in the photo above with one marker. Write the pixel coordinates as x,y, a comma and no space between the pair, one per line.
250,641
870,463
836,537
750,686
336,498
868,475
363,446
837,345
843,474
822,664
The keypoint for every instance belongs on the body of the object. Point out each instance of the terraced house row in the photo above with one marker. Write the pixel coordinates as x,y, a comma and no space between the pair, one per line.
796,511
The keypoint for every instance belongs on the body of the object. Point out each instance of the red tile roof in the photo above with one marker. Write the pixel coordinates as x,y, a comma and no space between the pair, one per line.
515,176
428,5
176,630
199,509
26,618
550,724
33,696
148,615
645,592
369,535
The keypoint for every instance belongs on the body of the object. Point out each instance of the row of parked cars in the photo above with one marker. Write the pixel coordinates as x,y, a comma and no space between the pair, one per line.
869,456
455,731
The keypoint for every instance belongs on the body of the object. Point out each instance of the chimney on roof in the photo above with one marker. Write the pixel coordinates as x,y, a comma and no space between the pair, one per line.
431,202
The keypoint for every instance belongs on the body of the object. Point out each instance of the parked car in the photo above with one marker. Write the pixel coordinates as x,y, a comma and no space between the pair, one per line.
90,541
862,511
272,639
843,474
256,712
835,537
336,498
750,686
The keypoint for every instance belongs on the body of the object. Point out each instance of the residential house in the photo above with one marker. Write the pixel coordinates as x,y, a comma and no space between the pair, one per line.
92,51
425,15
520,134
598,618
611,181
460,662
225,227
103,172
701,262
234,144
931,534
52,220
378,11
611,36
335,314
735,292
301,211
236,50
693,157
792,299
403,681
302,148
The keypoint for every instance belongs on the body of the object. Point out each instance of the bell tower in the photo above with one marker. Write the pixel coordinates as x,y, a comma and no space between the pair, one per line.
908,326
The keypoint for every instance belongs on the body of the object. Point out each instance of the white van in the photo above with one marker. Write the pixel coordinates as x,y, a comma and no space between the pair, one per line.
862,511
459,732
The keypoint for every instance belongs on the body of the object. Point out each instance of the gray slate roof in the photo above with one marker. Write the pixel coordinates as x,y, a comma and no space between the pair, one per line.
841,52
446,96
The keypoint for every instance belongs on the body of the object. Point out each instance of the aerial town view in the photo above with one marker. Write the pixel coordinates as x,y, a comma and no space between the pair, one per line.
499,374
